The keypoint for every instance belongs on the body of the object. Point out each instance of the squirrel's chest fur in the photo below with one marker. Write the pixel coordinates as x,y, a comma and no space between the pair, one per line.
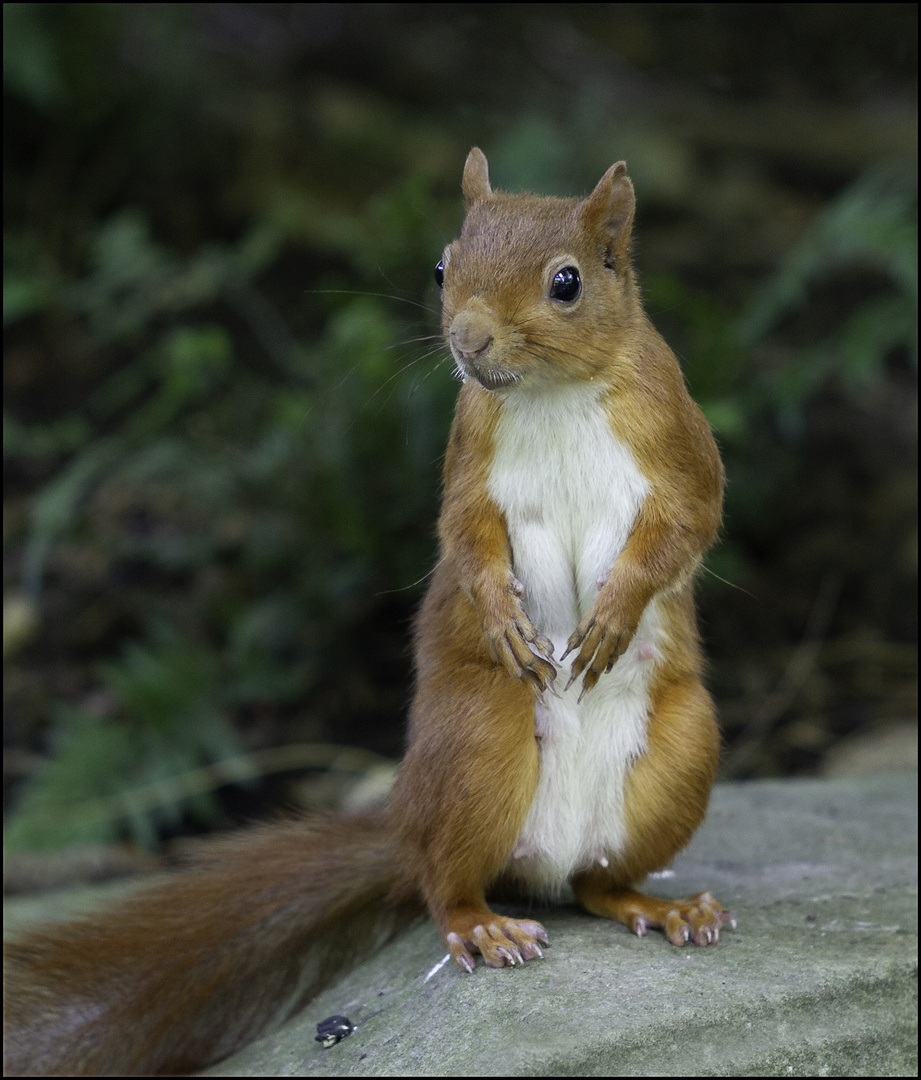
570,492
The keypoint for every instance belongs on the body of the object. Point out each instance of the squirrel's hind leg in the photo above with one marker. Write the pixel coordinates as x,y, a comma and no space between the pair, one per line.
461,801
665,800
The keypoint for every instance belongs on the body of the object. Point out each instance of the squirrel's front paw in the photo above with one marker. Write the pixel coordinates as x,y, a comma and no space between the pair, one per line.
602,638
515,645
524,653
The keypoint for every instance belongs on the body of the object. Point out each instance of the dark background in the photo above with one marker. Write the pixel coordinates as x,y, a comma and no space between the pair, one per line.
225,409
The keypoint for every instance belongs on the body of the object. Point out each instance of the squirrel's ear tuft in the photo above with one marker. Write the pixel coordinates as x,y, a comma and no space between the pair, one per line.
475,184
609,209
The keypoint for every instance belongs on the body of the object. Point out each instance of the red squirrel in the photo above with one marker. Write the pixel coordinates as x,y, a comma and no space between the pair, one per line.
560,731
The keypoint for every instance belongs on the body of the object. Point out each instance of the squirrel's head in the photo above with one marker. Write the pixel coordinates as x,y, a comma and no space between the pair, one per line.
539,291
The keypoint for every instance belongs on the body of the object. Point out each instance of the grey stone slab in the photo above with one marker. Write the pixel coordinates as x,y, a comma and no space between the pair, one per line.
819,978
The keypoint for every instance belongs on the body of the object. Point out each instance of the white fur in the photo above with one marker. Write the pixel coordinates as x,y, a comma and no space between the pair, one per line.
570,492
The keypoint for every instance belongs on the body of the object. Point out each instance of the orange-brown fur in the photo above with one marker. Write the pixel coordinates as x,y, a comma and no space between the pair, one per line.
190,969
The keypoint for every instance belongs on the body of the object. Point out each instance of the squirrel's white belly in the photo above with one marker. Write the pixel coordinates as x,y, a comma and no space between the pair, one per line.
570,492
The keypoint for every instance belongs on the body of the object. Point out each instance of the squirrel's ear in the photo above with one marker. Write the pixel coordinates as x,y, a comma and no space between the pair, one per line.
609,209
475,184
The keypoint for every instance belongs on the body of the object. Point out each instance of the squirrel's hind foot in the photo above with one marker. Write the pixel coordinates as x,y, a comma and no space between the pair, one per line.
502,942
698,919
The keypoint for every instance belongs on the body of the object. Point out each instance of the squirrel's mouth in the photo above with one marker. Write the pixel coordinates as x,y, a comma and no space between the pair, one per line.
488,378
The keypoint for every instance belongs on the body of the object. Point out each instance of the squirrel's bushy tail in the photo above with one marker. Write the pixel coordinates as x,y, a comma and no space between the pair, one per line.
190,969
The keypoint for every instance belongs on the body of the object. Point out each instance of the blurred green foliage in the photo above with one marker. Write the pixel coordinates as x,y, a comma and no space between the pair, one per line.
872,225
176,697
230,406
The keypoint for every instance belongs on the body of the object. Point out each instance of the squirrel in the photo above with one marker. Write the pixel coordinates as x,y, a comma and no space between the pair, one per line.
560,731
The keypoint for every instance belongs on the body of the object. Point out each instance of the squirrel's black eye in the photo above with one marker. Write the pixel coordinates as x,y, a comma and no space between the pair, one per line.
566,284
440,275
